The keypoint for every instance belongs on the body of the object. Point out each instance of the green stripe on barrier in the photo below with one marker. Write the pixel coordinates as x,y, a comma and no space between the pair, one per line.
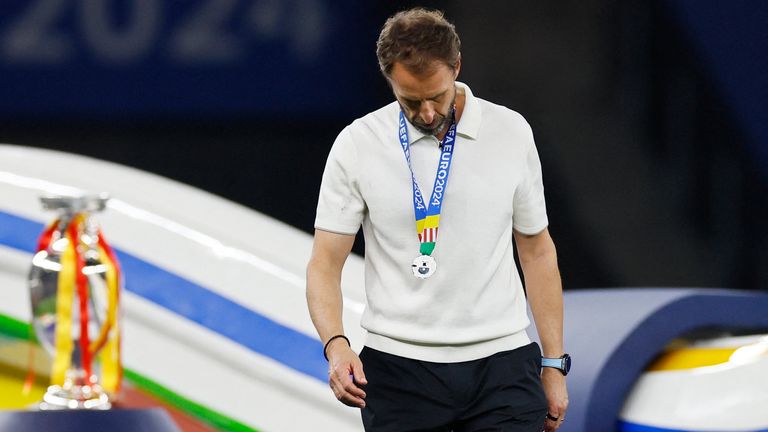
211,417
15,328
21,330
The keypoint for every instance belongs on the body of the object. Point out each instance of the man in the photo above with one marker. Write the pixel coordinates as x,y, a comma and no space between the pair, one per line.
446,312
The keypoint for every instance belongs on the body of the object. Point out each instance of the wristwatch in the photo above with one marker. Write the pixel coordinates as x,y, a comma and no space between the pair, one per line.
563,363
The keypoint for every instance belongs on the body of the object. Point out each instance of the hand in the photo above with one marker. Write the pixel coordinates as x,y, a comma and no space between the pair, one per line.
557,397
345,373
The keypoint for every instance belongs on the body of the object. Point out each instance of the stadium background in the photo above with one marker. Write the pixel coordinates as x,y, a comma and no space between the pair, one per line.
650,117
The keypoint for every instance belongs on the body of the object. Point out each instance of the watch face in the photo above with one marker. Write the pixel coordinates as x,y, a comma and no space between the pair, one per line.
566,363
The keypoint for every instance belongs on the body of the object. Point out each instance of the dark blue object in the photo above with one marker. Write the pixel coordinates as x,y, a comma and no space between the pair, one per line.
730,40
119,420
613,334
127,59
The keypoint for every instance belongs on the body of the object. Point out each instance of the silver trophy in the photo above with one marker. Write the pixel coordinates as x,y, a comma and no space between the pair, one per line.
59,299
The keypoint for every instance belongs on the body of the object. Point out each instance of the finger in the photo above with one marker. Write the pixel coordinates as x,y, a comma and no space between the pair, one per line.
353,401
357,372
553,425
560,420
560,416
350,387
342,374
342,381
550,426
347,398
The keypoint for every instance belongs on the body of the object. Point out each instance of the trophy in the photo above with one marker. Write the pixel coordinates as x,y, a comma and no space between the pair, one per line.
75,284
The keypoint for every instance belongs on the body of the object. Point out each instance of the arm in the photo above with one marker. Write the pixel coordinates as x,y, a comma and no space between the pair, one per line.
538,259
324,300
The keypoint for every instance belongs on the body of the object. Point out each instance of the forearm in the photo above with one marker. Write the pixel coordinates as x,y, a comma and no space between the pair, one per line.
325,302
545,295
324,299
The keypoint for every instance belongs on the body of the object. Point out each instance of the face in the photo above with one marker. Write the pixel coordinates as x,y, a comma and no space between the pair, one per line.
427,98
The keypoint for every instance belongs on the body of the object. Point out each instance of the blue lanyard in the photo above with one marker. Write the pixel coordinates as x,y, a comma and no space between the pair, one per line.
421,212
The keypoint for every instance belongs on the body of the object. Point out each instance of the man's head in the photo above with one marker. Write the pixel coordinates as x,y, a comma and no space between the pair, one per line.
418,53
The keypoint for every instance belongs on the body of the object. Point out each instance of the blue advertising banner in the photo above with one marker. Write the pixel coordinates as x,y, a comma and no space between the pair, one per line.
732,41
176,57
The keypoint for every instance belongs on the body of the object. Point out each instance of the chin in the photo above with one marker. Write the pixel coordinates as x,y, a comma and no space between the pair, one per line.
430,131
425,131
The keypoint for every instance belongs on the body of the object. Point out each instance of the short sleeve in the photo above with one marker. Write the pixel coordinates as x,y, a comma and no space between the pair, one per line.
529,215
340,207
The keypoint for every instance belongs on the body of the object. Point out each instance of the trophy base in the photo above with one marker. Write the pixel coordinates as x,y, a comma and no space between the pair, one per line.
74,398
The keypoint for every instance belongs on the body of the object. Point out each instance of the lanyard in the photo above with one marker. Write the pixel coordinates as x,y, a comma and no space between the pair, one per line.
428,219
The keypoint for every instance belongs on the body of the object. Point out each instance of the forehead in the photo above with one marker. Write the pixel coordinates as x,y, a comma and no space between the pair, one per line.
425,85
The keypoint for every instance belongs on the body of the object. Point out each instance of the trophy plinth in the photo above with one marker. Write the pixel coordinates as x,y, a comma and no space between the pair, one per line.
71,396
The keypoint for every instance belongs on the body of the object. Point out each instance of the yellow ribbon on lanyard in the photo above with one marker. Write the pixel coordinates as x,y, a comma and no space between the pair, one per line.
64,300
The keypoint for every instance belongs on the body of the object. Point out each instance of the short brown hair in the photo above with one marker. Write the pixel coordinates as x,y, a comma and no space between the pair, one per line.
416,38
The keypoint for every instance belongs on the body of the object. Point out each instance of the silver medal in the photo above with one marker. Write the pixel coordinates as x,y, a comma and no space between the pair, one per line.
424,266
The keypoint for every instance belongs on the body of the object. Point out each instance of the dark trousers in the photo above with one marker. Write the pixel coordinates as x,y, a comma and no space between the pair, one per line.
498,393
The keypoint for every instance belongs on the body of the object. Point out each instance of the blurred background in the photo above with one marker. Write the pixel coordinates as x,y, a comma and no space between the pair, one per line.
650,117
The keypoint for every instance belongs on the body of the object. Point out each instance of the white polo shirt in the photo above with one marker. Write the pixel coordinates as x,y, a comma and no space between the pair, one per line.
474,304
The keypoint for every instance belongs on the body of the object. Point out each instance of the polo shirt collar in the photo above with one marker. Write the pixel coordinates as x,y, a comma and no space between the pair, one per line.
469,123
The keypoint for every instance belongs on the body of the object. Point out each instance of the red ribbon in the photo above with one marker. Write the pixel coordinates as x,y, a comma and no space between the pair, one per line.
45,238
81,282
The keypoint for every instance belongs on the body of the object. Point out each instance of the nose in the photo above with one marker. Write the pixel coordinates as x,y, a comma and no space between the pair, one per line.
427,112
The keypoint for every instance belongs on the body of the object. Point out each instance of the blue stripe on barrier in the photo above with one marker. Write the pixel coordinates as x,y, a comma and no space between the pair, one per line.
19,233
196,303
625,426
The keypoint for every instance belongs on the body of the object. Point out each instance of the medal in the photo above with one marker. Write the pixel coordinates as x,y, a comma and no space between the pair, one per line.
424,266
428,219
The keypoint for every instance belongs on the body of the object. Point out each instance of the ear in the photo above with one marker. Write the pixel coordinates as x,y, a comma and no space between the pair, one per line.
457,68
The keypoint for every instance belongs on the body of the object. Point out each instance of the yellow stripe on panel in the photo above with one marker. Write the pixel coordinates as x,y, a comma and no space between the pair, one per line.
689,358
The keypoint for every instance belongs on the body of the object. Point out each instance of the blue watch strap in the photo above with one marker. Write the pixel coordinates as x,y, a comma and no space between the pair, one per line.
552,362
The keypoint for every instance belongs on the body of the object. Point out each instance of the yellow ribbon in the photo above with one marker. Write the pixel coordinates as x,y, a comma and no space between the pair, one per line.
110,353
64,299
